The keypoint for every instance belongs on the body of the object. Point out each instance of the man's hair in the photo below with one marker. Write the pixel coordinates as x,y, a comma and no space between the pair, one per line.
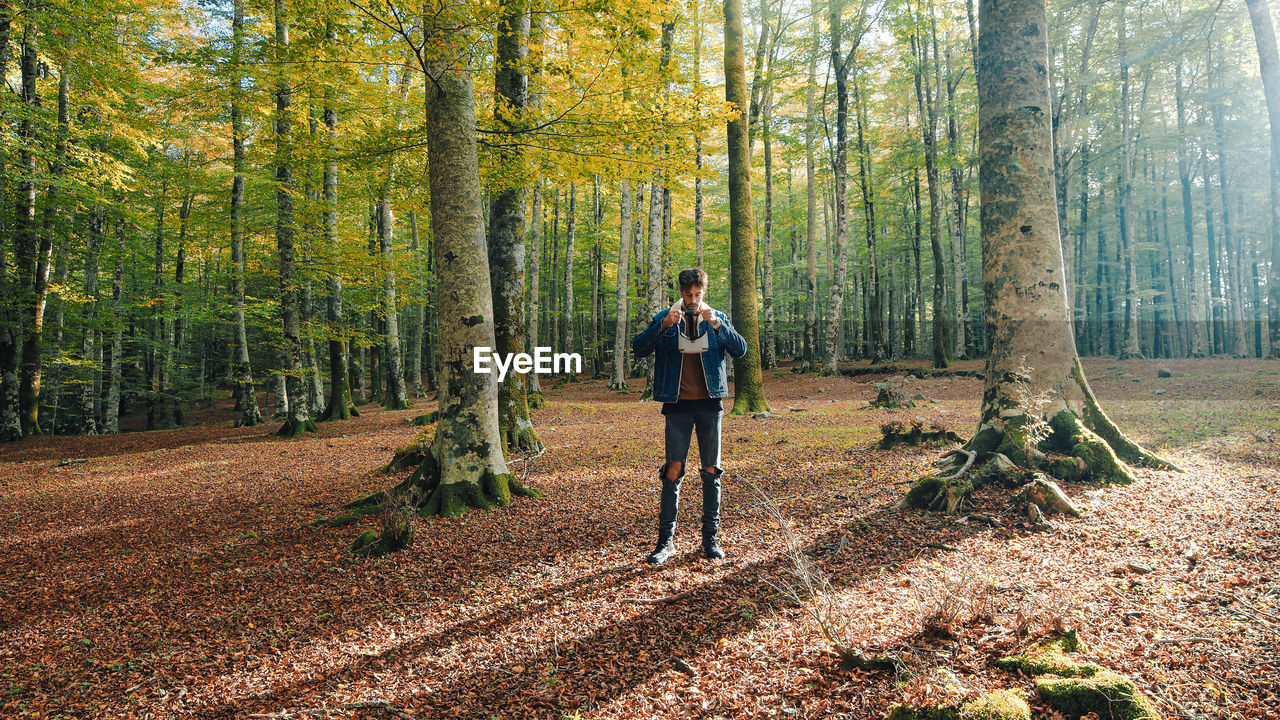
690,277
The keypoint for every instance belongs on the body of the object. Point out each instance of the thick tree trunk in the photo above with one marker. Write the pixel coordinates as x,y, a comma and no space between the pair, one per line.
749,386
506,227
31,266
1033,377
1264,35
465,465
299,419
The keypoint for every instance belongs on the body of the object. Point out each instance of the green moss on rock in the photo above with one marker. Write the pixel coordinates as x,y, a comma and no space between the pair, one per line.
1109,695
1051,659
922,494
996,705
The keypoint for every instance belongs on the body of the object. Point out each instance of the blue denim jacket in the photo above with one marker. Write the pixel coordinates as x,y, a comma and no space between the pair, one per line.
666,366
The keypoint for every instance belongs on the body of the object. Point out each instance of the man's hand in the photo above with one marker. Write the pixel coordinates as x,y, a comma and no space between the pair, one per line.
709,317
673,317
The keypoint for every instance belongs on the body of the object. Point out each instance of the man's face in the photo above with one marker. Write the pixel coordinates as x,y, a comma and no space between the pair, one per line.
692,296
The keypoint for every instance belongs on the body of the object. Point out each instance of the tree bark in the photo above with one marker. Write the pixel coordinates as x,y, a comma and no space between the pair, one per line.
506,226
1264,35
749,386
1131,347
840,63
340,405
1033,376
299,419
809,361
246,403
618,380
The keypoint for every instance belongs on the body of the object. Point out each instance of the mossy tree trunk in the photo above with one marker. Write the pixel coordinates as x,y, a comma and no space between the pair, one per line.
465,467
1033,376
748,384
506,227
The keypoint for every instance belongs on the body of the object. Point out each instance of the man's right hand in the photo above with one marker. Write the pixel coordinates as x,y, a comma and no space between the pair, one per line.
673,317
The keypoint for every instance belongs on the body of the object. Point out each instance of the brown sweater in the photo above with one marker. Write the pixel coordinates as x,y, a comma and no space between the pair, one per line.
693,379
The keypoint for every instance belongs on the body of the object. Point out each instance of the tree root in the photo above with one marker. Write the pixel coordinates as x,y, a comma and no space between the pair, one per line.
294,429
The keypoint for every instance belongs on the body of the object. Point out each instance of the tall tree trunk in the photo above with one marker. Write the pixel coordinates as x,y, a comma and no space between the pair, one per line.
420,309
1131,347
29,252
809,362
840,63
111,408
397,396
617,380
1023,277
768,339
88,343
534,389
10,334
339,405
925,101
506,226
749,386
1264,35
1194,315
866,182
571,225
299,419
464,466
246,402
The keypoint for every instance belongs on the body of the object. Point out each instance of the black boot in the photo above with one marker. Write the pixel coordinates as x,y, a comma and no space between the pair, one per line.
711,514
667,519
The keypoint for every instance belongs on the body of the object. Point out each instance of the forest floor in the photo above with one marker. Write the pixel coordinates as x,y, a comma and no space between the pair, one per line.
177,574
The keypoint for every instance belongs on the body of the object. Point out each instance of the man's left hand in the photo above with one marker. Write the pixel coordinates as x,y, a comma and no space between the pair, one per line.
709,317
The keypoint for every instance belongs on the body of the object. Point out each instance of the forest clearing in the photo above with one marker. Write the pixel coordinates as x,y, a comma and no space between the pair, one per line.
177,573
288,290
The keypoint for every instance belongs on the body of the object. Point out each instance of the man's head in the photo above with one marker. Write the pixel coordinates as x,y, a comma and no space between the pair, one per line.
693,283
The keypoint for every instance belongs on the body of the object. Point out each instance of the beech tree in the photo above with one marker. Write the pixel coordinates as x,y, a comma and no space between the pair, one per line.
1036,397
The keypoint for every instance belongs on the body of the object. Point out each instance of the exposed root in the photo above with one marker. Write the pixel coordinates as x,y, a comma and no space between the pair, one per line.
964,469
293,428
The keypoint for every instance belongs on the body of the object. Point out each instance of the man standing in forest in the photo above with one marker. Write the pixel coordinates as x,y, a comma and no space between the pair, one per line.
689,379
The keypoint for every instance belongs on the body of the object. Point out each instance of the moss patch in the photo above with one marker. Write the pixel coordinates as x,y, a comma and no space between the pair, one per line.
922,494
900,711
1106,694
1051,659
996,705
